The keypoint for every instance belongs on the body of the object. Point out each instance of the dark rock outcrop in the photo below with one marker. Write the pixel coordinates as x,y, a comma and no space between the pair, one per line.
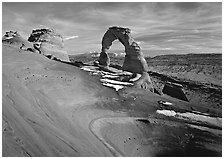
48,43
134,60
174,90
104,59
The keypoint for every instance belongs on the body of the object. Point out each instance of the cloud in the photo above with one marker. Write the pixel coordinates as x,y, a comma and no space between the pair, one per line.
70,37
159,25
188,6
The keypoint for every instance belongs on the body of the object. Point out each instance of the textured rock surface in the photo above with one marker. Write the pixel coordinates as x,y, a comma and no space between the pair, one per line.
145,82
49,43
14,38
134,60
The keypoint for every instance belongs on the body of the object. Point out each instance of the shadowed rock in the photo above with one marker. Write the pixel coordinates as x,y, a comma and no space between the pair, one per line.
104,59
48,43
134,60
145,82
174,90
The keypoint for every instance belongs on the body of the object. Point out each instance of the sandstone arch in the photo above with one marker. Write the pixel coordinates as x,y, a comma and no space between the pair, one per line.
134,60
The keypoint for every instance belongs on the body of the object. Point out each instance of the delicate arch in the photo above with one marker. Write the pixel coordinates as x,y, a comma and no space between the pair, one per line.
134,59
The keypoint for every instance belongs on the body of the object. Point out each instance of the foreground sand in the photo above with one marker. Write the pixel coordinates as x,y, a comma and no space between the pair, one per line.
55,109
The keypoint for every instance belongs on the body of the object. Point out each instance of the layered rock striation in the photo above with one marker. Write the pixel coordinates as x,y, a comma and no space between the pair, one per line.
49,43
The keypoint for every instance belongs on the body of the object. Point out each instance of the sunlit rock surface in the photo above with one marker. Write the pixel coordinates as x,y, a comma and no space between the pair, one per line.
50,43
134,60
13,38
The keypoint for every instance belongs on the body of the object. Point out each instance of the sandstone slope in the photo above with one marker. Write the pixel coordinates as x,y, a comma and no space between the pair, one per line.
51,108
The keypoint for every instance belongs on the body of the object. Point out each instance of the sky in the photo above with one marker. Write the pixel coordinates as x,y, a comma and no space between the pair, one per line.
181,27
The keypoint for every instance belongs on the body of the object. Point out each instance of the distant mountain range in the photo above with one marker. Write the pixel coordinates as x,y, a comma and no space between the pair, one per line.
152,53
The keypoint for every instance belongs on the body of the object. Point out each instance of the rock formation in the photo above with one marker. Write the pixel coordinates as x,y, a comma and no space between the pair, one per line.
48,43
134,60
174,90
14,38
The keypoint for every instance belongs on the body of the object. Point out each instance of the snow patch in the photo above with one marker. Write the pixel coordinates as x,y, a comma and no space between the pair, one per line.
192,117
167,112
89,68
202,118
197,112
116,87
108,78
165,103
116,82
